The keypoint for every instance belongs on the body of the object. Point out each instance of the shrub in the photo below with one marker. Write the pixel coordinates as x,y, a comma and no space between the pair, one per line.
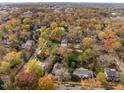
45,83
101,77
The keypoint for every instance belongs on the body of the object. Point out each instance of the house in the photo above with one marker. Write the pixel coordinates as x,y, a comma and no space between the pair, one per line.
110,74
83,73
1,22
28,45
77,39
26,14
3,80
57,10
64,42
114,14
68,10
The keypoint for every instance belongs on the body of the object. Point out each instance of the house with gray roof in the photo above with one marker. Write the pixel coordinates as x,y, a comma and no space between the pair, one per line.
28,45
64,42
83,73
26,14
111,74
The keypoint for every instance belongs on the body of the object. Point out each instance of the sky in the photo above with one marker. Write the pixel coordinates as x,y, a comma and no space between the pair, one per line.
99,1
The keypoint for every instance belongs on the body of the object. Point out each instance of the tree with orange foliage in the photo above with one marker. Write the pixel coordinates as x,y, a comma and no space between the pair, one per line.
112,43
45,83
119,87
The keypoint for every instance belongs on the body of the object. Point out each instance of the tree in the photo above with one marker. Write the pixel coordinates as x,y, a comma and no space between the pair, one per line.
45,83
119,87
101,77
57,34
58,20
112,43
116,45
13,39
25,27
63,24
87,42
14,58
98,27
25,81
34,67
79,29
44,35
2,27
102,35
61,73
8,27
15,21
2,51
111,34
53,25
88,54
41,42
107,21
4,67
27,20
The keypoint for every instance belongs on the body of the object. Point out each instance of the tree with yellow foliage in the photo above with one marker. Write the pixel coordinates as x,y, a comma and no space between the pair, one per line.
102,35
63,24
25,27
58,20
34,67
87,42
4,67
27,20
98,27
2,27
116,45
57,34
79,29
107,21
41,42
53,25
14,58
45,83
8,27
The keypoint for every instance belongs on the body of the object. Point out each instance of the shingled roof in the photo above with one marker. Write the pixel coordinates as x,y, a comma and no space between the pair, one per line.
110,73
83,73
